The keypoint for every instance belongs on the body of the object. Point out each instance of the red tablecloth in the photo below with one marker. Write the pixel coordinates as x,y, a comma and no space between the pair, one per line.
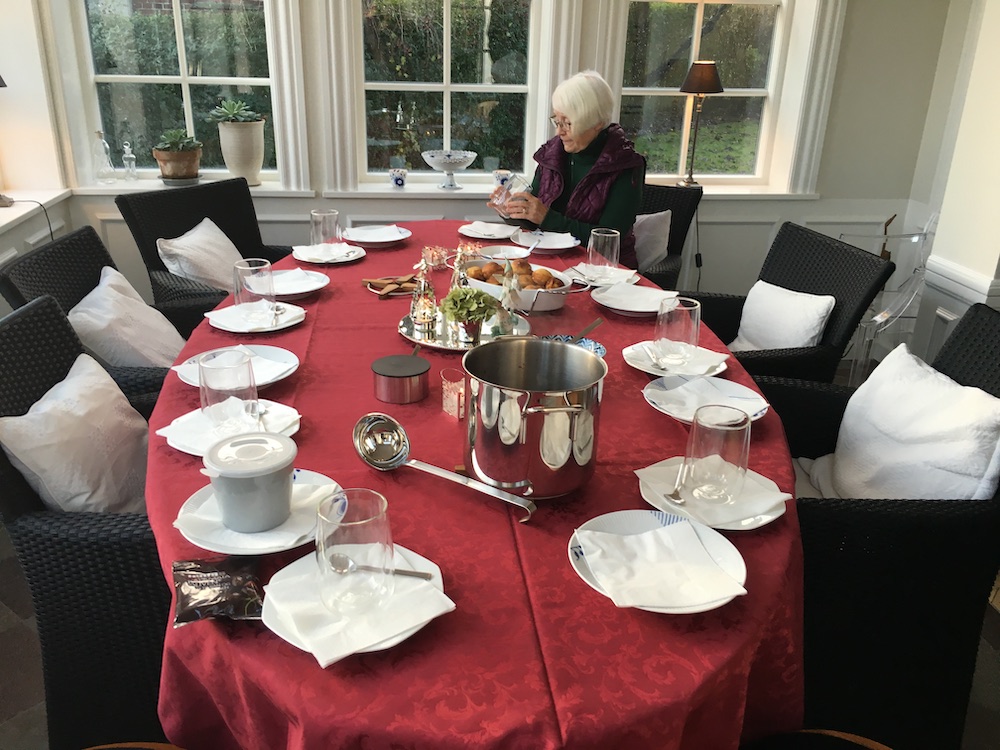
532,657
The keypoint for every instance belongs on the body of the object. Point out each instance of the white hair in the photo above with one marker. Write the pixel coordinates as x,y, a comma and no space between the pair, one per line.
586,99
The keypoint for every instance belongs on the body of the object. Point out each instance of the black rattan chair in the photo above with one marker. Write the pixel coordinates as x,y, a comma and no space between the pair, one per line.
814,739
171,212
682,202
895,590
101,603
805,261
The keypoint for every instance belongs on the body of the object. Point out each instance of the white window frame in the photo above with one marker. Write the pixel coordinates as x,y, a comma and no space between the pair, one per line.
67,33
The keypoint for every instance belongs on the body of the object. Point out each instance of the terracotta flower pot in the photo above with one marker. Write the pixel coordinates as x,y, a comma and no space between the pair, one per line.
178,165
243,148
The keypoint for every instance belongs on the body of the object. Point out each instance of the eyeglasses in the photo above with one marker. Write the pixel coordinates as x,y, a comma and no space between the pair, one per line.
561,124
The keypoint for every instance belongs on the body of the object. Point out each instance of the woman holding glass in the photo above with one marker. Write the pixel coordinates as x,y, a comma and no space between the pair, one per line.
589,174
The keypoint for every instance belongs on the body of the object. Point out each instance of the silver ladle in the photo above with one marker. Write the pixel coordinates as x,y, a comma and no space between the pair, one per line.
381,443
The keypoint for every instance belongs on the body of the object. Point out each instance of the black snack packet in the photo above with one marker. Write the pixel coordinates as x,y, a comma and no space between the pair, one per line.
220,587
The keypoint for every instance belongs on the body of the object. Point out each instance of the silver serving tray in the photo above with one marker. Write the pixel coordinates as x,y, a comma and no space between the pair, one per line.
444,335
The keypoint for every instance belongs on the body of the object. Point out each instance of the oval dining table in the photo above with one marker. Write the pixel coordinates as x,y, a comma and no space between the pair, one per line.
531,657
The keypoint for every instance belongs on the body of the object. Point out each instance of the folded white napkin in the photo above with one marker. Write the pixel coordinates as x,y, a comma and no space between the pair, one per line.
264,370
665,567
701,361
386,233
551,239
231,319
204,524
758,496
297,603
492,229
195,433
633,298
607,276
326,253
683,401
292,282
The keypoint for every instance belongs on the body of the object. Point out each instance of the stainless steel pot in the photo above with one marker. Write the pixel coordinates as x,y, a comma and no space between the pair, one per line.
533,409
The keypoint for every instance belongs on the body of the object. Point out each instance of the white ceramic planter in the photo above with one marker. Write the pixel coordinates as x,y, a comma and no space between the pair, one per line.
243,148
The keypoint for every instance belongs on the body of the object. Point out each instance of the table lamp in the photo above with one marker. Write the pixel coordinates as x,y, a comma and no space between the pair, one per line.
702,79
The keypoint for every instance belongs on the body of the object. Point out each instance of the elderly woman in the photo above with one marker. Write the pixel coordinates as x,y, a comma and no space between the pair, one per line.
589,174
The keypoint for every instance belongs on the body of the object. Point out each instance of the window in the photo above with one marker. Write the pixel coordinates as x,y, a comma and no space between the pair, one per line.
163,64
448,74
663,38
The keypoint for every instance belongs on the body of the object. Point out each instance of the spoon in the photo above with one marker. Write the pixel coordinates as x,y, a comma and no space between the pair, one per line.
585,331
381,443
674,495
344,565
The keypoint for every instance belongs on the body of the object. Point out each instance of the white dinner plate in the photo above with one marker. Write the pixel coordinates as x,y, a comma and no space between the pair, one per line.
635,357
313,284
551,243
287,319
274,353
288,431
504,252
746,524
351,234
410,561
671,389
502,231
641,302
624,522
353,254
300,516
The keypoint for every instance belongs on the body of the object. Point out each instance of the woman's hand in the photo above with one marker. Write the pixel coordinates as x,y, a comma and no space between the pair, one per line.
526,207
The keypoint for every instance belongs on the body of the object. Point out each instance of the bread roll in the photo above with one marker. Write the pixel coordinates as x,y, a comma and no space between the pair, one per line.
491,268
521,266
541,276
475,272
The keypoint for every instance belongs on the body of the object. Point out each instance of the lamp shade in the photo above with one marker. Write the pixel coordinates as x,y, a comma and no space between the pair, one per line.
2,84
702,78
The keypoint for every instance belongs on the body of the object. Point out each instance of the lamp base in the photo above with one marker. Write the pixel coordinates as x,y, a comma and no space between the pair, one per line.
689,182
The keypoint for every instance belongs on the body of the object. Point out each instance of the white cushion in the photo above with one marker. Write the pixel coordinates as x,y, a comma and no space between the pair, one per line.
778,318
116,324
651,234
81,447
203,254
911,432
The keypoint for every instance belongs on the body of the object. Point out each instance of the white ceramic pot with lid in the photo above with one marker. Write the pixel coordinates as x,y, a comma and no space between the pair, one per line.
252,479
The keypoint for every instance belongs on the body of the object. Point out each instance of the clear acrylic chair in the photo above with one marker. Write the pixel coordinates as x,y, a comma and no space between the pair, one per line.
891,316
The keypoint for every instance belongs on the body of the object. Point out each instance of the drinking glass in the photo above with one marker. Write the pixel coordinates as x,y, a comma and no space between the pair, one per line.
678,323
354,551
253,288
453,392
602,254
503,194
715,464
228,392
324,226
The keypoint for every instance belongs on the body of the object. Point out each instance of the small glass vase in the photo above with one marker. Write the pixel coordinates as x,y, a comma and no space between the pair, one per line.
469,332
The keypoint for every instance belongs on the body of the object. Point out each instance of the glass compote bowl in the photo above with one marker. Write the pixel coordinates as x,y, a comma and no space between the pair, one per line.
449,161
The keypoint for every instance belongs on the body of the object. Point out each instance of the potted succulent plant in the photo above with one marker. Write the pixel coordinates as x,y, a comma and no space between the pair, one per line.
178,154
241,136
469,308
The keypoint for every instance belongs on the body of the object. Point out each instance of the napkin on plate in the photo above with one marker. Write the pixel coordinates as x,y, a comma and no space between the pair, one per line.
683,401
552,239
331,252
331,638
264,370
758,496
195,433
294,281
632,297
609,276
492,229
387,233
231,319
701,361
205,522
665,567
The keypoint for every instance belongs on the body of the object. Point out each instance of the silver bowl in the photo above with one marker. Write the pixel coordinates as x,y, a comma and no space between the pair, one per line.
449,161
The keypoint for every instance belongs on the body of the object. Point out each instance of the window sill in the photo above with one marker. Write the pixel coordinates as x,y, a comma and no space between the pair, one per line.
25,205
267,189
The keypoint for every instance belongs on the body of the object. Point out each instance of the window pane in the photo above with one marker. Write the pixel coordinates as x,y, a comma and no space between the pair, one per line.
489,41
656,122
400,125
728,135
126,42
658,51
492,125
738,38
205,98
138,113
403,40
225,39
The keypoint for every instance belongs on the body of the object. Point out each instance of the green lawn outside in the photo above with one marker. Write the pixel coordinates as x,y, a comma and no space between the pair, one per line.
723,148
